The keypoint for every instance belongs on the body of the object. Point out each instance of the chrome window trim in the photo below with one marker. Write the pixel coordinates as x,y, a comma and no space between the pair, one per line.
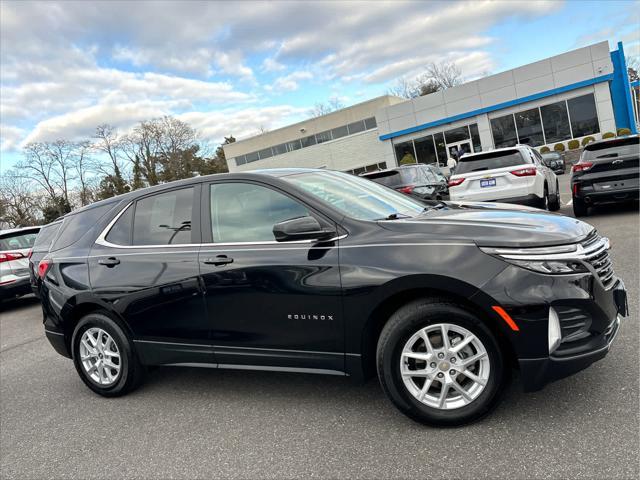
101,240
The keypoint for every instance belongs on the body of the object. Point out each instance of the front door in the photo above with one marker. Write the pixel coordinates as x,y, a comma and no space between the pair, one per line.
146,268
271,304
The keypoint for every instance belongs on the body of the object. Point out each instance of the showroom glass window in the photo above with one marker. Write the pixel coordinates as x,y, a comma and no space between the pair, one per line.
475,137
163,219
583,115
245,212
556,122
529,127
441,148
425,150
404,153
504,131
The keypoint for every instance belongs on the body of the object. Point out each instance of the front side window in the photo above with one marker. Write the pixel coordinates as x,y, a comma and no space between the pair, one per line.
245,212
556,122
504,131
164,219
584,118
355,197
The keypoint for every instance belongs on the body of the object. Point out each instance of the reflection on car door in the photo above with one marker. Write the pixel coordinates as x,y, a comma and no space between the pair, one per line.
274,305
146,266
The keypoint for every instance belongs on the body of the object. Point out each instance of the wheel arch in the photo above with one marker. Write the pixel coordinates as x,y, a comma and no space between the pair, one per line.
466,296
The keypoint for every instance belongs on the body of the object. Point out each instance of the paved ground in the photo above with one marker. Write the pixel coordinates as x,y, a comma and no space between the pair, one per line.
196,423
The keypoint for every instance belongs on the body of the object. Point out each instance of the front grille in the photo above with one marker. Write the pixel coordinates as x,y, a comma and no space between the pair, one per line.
596,254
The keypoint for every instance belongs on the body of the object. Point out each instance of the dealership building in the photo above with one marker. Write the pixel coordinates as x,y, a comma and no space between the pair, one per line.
581,93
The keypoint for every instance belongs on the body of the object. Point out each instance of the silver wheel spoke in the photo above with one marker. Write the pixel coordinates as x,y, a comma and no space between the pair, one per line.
466,341
415,373
445,336
443,395
462,391
425,388
473,359
418,355
474,377
427,342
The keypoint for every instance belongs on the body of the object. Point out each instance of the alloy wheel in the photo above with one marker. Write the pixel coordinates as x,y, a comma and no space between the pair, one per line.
100,357
444,366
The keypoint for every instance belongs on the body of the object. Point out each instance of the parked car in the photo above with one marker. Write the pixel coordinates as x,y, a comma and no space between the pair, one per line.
324,272
509,175
423,181
555,161
607,172
15,245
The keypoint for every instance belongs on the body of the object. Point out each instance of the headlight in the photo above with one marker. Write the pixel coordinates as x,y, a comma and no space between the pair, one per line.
558,260
550,266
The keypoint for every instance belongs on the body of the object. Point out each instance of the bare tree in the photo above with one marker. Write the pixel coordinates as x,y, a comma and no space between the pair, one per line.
445,74
109,143
403,88
437,76
324,108
82,165
19,203
39,167
61,154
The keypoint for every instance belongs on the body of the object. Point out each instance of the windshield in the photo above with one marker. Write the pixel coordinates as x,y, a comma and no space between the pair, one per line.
18,240
613,148
356,197
489,161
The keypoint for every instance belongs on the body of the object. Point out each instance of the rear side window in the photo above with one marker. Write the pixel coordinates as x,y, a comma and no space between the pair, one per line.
490,161
75,226
164,219
120,233
614,148
18,240
46,236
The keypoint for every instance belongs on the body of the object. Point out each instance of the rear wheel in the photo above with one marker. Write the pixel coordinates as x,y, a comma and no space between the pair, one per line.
543,203
104,356
554,204
579,208
439,364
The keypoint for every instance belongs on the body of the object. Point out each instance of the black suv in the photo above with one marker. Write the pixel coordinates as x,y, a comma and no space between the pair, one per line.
323,272
608,172
425,182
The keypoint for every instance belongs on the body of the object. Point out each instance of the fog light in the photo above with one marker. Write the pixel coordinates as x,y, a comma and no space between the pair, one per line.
555,334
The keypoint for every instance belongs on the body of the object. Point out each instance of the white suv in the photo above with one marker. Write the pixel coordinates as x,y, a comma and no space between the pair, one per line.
15,246
510,175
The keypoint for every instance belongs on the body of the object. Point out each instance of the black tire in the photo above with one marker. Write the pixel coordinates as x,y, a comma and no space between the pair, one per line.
554,205
579,208
402,325
543,203
131,371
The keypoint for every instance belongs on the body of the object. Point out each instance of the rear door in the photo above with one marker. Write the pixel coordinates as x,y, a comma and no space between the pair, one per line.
145,265
270,304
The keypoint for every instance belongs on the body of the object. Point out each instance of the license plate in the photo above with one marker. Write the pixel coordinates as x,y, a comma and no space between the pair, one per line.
489,182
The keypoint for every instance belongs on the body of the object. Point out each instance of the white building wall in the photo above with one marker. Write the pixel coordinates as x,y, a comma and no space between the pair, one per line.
345,153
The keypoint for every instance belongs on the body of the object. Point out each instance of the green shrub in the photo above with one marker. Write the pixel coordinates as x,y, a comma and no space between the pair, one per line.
608,135
587,140
559,147
545,150
573,144
623,131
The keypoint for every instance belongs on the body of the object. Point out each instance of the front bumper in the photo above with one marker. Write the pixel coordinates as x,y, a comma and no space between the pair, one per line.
589,316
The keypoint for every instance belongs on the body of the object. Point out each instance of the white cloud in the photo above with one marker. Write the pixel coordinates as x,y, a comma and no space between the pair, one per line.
271,65
10,137
289,83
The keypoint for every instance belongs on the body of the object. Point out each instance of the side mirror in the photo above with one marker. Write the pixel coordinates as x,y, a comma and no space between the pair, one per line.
301,228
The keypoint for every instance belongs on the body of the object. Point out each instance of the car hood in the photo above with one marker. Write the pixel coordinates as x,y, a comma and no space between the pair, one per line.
494,224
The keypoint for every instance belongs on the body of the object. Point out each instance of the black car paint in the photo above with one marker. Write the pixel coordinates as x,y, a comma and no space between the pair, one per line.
620,174
317,306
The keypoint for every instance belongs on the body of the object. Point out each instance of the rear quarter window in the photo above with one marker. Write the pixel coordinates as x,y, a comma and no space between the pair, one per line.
75,226
490,161
46,236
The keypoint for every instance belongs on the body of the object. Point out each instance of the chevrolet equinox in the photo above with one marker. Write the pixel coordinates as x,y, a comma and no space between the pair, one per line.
323,272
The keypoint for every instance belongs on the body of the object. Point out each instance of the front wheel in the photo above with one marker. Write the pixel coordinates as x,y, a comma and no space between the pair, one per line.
104,356
439,364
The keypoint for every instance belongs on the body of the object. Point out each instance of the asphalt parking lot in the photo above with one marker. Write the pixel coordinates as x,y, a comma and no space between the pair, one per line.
197,423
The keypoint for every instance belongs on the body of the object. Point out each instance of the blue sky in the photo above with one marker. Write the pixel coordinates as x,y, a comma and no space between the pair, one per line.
239,67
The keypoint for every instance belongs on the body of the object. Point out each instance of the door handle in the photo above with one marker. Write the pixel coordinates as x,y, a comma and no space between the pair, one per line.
219,260
109,262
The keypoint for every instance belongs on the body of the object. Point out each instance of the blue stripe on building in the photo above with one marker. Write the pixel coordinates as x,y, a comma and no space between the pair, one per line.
621,91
